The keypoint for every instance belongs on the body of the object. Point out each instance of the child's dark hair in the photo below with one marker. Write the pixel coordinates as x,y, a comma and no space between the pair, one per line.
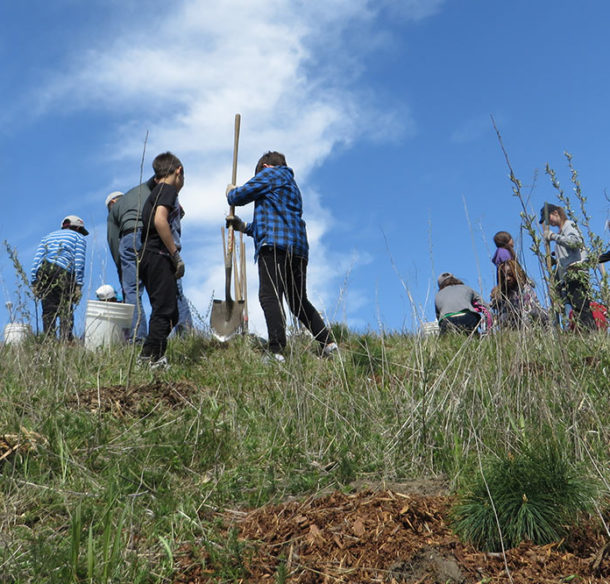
503,239
272,159
165,164
450,281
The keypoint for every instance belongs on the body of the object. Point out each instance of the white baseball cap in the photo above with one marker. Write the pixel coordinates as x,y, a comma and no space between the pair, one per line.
112,196
74,221
105,292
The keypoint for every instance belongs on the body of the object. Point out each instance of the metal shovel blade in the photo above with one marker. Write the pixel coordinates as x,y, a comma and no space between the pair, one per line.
226,318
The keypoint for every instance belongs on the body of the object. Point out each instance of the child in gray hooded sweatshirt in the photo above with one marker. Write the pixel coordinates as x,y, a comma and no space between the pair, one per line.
458,307
572,271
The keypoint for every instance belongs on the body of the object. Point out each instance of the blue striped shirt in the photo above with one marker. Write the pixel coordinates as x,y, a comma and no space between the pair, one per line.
278,210
67,249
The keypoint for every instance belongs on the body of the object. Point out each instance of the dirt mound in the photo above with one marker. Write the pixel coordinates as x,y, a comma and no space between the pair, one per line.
25,441
383,536
135,399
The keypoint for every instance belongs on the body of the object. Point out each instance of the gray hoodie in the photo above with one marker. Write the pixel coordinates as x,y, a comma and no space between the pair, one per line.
569,247
456,298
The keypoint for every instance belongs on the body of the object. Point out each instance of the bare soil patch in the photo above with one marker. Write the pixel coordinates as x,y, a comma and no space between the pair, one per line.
387,537
136,399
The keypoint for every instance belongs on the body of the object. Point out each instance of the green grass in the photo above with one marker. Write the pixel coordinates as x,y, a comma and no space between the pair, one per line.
113,491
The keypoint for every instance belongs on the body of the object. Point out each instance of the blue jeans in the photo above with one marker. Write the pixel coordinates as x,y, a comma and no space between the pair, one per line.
129,245
185,319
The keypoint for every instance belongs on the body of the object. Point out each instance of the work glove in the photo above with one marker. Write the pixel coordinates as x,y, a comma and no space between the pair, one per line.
548,235
236,223
179,266
77,295
230,188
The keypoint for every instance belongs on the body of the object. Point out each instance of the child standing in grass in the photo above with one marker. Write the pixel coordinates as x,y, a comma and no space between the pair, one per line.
161,265
58,273
572,273
458,307
505,249
281,249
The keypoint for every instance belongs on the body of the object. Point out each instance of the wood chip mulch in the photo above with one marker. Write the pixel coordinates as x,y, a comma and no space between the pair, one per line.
381,537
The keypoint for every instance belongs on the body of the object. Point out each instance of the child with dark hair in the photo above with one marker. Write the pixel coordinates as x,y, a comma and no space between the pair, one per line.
505,249
514,298
281,249
458,307
161,265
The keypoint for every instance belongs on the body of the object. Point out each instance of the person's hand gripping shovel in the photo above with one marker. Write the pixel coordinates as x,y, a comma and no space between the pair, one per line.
226,315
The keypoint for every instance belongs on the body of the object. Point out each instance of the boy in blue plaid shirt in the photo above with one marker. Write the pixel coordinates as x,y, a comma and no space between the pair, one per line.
281,249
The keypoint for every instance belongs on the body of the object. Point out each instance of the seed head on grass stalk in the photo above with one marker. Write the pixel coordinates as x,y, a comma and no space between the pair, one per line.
595,245
24,290
592,242
528,221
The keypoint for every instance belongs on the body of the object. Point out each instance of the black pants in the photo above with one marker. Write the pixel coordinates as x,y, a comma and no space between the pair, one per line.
464,323
575,289
157,273
284,275
56,288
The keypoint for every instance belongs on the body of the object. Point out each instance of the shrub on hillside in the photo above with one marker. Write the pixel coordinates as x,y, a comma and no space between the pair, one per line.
535,495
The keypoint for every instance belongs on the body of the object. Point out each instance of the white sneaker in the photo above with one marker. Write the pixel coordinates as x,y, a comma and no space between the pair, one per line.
273,358
160,363
330,350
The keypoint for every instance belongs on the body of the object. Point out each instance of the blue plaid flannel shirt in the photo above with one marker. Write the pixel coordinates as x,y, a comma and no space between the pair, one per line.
278,210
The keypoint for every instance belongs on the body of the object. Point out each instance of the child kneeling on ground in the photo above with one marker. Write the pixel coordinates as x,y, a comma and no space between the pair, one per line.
458,307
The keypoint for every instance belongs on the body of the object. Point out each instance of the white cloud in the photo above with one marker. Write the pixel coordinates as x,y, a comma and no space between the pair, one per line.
181,77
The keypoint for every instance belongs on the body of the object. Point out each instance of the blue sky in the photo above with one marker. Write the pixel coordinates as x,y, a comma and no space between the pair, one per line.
381,107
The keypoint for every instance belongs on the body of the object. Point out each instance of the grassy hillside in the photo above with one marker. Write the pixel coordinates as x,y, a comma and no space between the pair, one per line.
107,470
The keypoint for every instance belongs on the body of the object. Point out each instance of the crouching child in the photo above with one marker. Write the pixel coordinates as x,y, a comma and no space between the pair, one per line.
458,307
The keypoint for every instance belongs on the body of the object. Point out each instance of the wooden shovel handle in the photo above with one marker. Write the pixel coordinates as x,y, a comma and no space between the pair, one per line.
549,265
547,245
235,148
231,237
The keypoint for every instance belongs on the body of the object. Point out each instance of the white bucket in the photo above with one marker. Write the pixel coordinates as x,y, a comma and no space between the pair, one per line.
15,333
105,323
429,329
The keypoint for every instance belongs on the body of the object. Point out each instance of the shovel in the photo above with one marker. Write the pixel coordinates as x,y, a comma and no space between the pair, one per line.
226,315
549,266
